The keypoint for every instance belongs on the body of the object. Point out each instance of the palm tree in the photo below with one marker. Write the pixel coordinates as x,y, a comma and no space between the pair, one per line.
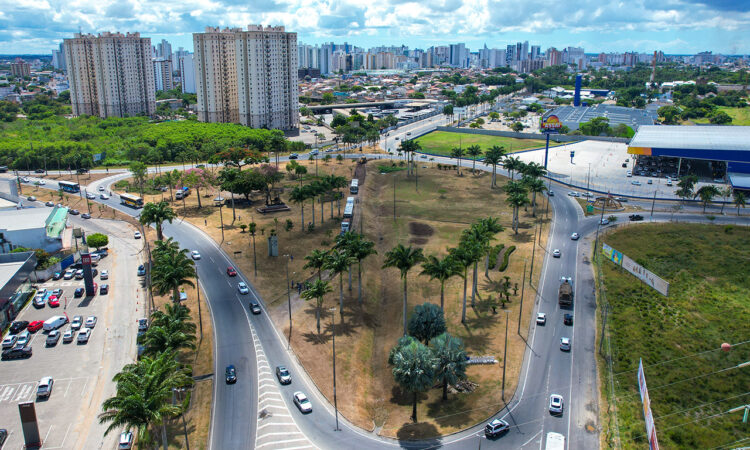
317,290
144,396
490,226
451,360
726,193
165,247
534,185
170,330
157,213
517,201
414,369
494,156
338,262
474,151
457,153
512,165
464,255
172,271
707,193
316,260
403,258
298,195
534,170
739,200
359,250
442,270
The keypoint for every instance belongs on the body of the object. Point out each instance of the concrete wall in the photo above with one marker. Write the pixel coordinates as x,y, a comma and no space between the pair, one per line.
32,238
554,137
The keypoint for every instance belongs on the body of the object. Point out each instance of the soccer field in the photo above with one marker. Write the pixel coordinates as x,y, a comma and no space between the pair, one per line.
441,142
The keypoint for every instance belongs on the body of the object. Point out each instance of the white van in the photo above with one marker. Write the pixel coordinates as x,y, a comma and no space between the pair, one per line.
54,323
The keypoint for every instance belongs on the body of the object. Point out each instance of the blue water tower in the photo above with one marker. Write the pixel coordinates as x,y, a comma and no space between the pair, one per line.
577,95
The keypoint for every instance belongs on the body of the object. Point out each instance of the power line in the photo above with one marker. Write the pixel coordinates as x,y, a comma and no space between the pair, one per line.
700,406
680,358
661,430
731,443
688,379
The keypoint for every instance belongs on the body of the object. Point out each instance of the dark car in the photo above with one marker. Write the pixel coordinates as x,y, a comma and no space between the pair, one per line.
57,275
17,353
3,436
49,204
79,292
82,170
104,289
293,156
141,270
635,217
74,212
283,375
255,307
568,319
231,375
496,428
85,216
18,326
39,171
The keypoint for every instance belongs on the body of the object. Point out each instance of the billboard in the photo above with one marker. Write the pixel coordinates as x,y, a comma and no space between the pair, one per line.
551,123
653,444
612,254
645,275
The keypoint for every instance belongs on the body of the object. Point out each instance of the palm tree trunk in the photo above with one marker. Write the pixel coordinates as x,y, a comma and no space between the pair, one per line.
164,435
487,264
474,165
445,388
322,217
317,317
350,275
442,295
463,308
313,211
359,278
159,235
474,283
341,295
197,194
413,411
533,204
405,311
302,228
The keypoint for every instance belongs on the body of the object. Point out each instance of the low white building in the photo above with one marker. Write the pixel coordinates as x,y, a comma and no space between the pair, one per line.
33,228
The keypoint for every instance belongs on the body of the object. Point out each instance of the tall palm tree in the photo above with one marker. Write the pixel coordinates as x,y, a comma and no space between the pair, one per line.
317,290
464,255
726,193
144,396
414,369
512,165
441,270
359,250
338,261
534,170
707,193
344,242
739,200
474,151
517,201
298,195
169,330
478,241
490,226
316,260
494,156
457,152
165,247
534,185
157,213
451,360
403,258
172,271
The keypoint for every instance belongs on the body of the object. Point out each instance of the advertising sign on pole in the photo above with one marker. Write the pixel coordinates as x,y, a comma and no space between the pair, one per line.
653,444
612,254
645,275
551,123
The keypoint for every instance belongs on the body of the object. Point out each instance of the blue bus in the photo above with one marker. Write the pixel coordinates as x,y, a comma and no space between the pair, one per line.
68,186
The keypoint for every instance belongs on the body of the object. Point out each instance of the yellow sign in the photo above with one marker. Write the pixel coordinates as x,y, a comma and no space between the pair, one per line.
551,123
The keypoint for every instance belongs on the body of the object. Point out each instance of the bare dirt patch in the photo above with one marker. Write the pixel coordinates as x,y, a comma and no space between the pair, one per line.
420,229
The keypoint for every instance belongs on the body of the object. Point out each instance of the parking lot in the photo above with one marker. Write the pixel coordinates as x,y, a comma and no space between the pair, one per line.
82,372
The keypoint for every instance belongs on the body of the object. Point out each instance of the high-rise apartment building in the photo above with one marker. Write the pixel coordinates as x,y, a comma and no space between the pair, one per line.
110,75
58,58
247,77
163,80
187,73
20,68
164,50
458,55
554,56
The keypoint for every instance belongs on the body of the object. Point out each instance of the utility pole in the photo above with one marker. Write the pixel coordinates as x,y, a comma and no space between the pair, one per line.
653,203
533,251
333,332
394,196
221,216
198,291
604,325
596,240
289,299
523,285
505,352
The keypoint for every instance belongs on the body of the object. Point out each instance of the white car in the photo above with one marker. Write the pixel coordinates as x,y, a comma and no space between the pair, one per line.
137,235
41,182
302,402
104,196
541,318
195,254
84,335
90,321
574,194
604,222
126,440
101,188
565,344
556,253
635,183
556,404
90,196
104,275
68,335
574,236
45,387
9,341
69,274
242,287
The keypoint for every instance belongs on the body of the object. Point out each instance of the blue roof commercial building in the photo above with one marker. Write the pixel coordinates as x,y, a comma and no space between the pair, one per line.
573,116
727,144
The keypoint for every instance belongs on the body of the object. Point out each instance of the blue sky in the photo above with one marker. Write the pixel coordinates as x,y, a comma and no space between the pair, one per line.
673,26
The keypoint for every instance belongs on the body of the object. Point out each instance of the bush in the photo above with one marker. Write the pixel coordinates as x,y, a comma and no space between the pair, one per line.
97,240
494,251
728,229
506,258
389,169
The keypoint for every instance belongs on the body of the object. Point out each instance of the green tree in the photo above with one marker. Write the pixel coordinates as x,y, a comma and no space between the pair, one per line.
316,260
686,187
512,164
143,396
457,152
474,151
517,127
534,185
338,262
170,330
139,172
426,322
465,255
359,249
403,258
720,118
317,290
451,360
299,195
494,156
97,240
157,213
706,194
441,270
739,200
414,369
171,271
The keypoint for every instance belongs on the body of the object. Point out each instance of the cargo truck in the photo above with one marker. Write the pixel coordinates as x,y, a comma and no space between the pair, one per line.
565,294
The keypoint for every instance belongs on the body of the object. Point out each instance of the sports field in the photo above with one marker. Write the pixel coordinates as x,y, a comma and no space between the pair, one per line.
441,142
740,116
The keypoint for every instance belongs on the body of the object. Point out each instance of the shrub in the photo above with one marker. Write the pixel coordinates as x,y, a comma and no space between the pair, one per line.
494,251
728,229
506,258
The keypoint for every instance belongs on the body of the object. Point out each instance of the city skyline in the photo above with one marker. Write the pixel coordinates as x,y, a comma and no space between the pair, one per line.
673,26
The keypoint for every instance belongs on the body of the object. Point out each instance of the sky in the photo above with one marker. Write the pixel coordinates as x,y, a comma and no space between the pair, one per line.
673,26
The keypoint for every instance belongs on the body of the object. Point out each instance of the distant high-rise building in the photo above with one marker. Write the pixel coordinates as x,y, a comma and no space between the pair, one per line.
164,50
247,77
163,80
458,55
20,68
554,57
510,55
535,52
187,73
58,58
110,75
176,58
524,51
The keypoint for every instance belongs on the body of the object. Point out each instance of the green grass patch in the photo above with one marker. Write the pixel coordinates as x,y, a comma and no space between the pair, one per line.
679,336
389,169
506,258
740,116
441,142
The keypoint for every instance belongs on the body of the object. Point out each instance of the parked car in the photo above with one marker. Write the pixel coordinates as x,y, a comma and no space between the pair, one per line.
565,344
53,301
57,275
255,307
635,217
302,402
141,270
52,338
9,341
142,324
57,292
283,375
76,323
635,183
195,254
17,352
568,319
556,404
231,272
78,292
104,275
90,322
69,274
126,441
35,326
18,326
68,335
242,287
231,375
84,335
39,301
104,289
79,274
496,428
541,318
3,436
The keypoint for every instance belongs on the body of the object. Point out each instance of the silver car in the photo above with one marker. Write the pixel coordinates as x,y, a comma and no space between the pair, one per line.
302,402
242,287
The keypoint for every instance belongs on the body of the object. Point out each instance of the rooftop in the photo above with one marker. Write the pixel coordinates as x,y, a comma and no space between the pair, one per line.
24,219
8,271
693,137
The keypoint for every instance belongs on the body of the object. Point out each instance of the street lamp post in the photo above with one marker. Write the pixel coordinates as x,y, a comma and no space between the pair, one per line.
505,352
333,332
289,297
